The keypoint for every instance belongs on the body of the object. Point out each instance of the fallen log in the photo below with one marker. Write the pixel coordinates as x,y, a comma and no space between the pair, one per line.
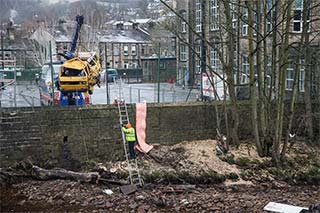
45,174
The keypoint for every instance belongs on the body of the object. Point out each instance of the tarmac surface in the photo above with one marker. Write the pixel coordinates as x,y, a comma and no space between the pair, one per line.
28,95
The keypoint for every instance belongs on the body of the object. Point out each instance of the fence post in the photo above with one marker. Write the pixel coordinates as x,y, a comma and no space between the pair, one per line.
174,96
163,95
138,95
130,91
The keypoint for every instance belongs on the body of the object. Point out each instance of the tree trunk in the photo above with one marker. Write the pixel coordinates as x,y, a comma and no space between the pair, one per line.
265,122
45,174
234,139
295,81
307,84
253,95
291,112
281,82
261,76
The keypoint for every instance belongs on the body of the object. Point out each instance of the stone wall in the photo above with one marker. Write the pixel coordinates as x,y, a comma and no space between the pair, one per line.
93,131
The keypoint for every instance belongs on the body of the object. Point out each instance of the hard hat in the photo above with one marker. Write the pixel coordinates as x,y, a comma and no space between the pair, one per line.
128,125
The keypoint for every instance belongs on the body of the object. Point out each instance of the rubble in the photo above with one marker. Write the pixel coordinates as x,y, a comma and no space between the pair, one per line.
193,165
60,195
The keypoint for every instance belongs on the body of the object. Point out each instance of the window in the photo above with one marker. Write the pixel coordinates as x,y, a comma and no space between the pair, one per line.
255,19
214,59
198,58
298,17
143,51
116,50
125,50
269,70
245,22
162,65
214,14
198,16
134,65
133,50
289,78
233,14
269,15
245,69
125,65
183,53
173,46
297,20
301,77
183,23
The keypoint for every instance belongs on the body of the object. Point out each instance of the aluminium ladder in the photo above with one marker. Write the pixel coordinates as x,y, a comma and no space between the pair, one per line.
134,173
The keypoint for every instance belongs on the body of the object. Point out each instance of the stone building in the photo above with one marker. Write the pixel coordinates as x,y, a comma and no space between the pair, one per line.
124,47
207,18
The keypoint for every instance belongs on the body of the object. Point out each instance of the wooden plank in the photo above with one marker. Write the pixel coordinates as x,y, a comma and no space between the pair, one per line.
128,189
283,208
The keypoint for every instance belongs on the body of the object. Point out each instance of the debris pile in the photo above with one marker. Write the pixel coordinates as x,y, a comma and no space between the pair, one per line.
178,178
71,196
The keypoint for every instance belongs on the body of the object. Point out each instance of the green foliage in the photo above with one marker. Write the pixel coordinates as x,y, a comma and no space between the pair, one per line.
181,177
210,177
229,158
233,176
243,162
310,176
247,174
283,174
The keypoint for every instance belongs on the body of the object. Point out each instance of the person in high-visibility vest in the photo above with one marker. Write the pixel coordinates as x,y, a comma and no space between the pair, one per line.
130,138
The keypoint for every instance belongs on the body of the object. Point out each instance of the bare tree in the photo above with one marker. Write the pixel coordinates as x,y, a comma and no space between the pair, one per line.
269,56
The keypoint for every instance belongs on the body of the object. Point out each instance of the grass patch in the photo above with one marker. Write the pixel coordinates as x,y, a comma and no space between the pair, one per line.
174,177
310,176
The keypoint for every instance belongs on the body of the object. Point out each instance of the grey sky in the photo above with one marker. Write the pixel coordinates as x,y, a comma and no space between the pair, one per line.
55,1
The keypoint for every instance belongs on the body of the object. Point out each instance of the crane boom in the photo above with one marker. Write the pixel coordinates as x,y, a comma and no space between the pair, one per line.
75,36
79,73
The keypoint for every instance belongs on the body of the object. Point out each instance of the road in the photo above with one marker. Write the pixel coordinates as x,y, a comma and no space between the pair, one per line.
134,93
27,95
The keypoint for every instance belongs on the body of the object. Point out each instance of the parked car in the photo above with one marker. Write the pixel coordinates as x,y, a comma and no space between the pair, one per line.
112,75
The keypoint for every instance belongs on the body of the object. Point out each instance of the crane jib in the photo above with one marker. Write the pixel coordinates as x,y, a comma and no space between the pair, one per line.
75,37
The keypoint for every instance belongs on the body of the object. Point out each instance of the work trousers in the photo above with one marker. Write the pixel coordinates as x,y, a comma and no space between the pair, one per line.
131,150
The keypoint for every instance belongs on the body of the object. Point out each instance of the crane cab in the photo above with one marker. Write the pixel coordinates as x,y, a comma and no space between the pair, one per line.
79,74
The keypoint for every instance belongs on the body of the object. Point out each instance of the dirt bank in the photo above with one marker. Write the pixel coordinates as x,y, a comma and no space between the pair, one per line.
239,181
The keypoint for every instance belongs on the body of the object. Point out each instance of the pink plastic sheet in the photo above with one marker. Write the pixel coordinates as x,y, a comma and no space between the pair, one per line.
141,125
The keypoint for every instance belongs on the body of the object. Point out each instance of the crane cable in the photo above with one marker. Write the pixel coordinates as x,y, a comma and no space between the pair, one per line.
83,139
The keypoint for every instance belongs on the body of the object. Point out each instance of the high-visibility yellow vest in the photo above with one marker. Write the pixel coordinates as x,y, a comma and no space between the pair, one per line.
130,134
